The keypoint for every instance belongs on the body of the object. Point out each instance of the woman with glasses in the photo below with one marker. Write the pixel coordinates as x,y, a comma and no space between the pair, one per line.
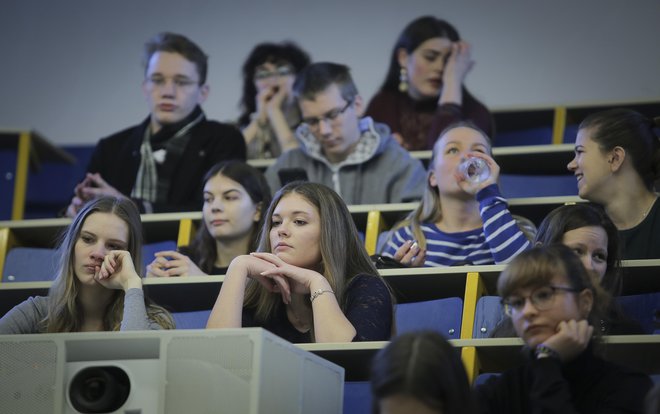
554,305
586,229
269,112
460,220
424,90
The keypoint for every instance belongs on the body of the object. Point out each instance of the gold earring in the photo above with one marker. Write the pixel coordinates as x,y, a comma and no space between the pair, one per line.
403,80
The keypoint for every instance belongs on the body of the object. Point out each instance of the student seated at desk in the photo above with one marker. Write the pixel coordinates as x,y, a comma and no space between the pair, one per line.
458,221
617,161
424,90
554,305
97,287
354,156
311,279
589,232
235,195
160,162
420,372
270,112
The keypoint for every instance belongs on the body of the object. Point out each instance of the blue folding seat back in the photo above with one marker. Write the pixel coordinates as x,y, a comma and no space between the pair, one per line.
441,315
7,180
522,186
570,133
357,397
644,308
488,314
530,136
30,264
150,249
483,377
191,320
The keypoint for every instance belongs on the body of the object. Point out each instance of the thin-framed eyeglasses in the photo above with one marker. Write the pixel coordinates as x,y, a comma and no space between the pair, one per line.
313,123
542,299
280,71
180,82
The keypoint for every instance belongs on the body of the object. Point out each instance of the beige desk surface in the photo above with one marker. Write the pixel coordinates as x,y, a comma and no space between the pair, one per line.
641,352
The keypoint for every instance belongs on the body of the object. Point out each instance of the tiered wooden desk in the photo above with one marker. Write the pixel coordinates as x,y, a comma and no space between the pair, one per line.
492,355
369,219
527,159
560,121
409,285
45,232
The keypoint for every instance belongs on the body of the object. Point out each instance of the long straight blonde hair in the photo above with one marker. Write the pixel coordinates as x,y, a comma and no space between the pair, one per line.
65,312
429,209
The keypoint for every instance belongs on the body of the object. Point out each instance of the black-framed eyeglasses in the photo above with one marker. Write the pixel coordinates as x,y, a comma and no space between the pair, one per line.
330,116
280,71
542,299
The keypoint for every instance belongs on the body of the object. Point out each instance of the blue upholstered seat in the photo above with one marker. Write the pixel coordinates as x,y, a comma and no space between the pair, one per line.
441,315
192,319
30,264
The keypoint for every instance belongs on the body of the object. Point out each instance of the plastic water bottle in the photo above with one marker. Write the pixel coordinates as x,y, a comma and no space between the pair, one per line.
474,169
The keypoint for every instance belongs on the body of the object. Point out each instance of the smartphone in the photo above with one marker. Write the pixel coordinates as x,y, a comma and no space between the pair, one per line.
288,175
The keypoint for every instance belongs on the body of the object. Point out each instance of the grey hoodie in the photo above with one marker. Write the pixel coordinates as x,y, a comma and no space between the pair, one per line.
378,171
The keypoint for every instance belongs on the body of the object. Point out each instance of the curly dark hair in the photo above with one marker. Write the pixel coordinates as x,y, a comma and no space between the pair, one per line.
262,53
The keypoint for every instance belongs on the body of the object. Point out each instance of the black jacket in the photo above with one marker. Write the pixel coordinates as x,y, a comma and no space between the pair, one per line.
585,385
117,158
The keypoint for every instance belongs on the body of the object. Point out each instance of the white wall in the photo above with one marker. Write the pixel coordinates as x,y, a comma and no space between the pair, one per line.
71,68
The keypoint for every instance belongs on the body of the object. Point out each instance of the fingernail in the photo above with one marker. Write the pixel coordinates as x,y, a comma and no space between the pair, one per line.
414,246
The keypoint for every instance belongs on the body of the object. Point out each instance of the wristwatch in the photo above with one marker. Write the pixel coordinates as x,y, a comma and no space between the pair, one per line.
543,351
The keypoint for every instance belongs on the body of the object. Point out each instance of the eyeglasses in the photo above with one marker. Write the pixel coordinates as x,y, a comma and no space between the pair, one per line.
280,71
157,82
313,123
542,299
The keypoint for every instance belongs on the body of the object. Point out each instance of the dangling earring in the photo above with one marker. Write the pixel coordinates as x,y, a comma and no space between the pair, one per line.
403,80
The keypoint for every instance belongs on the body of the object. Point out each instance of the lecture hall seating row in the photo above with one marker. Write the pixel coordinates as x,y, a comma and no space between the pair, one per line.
24,151
410,285
555,124
468,283
370,220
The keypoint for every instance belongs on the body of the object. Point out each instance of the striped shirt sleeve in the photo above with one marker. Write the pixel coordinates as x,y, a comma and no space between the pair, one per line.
503,236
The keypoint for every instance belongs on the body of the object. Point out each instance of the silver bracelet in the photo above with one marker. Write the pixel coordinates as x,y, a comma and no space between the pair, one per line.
318,293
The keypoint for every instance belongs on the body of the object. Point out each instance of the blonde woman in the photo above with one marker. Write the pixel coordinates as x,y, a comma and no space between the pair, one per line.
458,221
97,287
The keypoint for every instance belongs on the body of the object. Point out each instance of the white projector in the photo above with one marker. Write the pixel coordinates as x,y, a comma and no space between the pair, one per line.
238,371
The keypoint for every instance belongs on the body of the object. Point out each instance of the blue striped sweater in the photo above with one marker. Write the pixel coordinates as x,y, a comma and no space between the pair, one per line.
497,242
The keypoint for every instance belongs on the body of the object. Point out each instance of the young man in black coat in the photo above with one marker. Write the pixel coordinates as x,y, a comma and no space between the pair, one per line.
160,163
